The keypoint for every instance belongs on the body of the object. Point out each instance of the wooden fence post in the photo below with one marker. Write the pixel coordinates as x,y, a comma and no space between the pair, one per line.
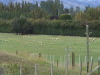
99,65
39,55
53,59
20,69
85,60
16,52
91,63
80,68
79,60
50,58
87,34
57,63
61,61
51,68
73,60
66,67
35,69
68,59
65,57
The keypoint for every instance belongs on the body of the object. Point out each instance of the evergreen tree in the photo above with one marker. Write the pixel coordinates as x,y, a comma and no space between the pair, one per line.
72,12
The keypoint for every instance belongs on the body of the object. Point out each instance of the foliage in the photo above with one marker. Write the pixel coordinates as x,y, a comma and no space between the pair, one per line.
50,27
89,14
22,26
5,26
48,18
49,7
65,17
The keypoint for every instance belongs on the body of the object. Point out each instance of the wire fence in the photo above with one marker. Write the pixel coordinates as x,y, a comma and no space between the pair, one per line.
66,65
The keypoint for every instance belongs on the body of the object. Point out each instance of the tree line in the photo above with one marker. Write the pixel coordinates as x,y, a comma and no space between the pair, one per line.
49,9
48,17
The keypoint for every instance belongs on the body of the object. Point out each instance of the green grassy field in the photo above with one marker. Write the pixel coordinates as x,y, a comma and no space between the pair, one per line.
48,44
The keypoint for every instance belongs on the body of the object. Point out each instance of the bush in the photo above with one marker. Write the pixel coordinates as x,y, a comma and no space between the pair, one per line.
22,26
65,17
5,26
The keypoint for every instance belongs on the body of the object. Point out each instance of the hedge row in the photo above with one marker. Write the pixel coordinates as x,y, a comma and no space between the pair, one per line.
55,27
65,27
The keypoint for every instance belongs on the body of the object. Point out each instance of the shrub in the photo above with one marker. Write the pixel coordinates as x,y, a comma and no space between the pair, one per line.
22,26
65,17
5,26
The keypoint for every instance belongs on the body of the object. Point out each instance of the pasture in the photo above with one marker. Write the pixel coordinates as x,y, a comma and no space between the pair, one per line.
49,44
46,45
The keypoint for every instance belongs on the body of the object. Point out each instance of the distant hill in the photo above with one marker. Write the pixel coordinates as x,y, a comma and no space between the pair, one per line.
81,3
67,3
